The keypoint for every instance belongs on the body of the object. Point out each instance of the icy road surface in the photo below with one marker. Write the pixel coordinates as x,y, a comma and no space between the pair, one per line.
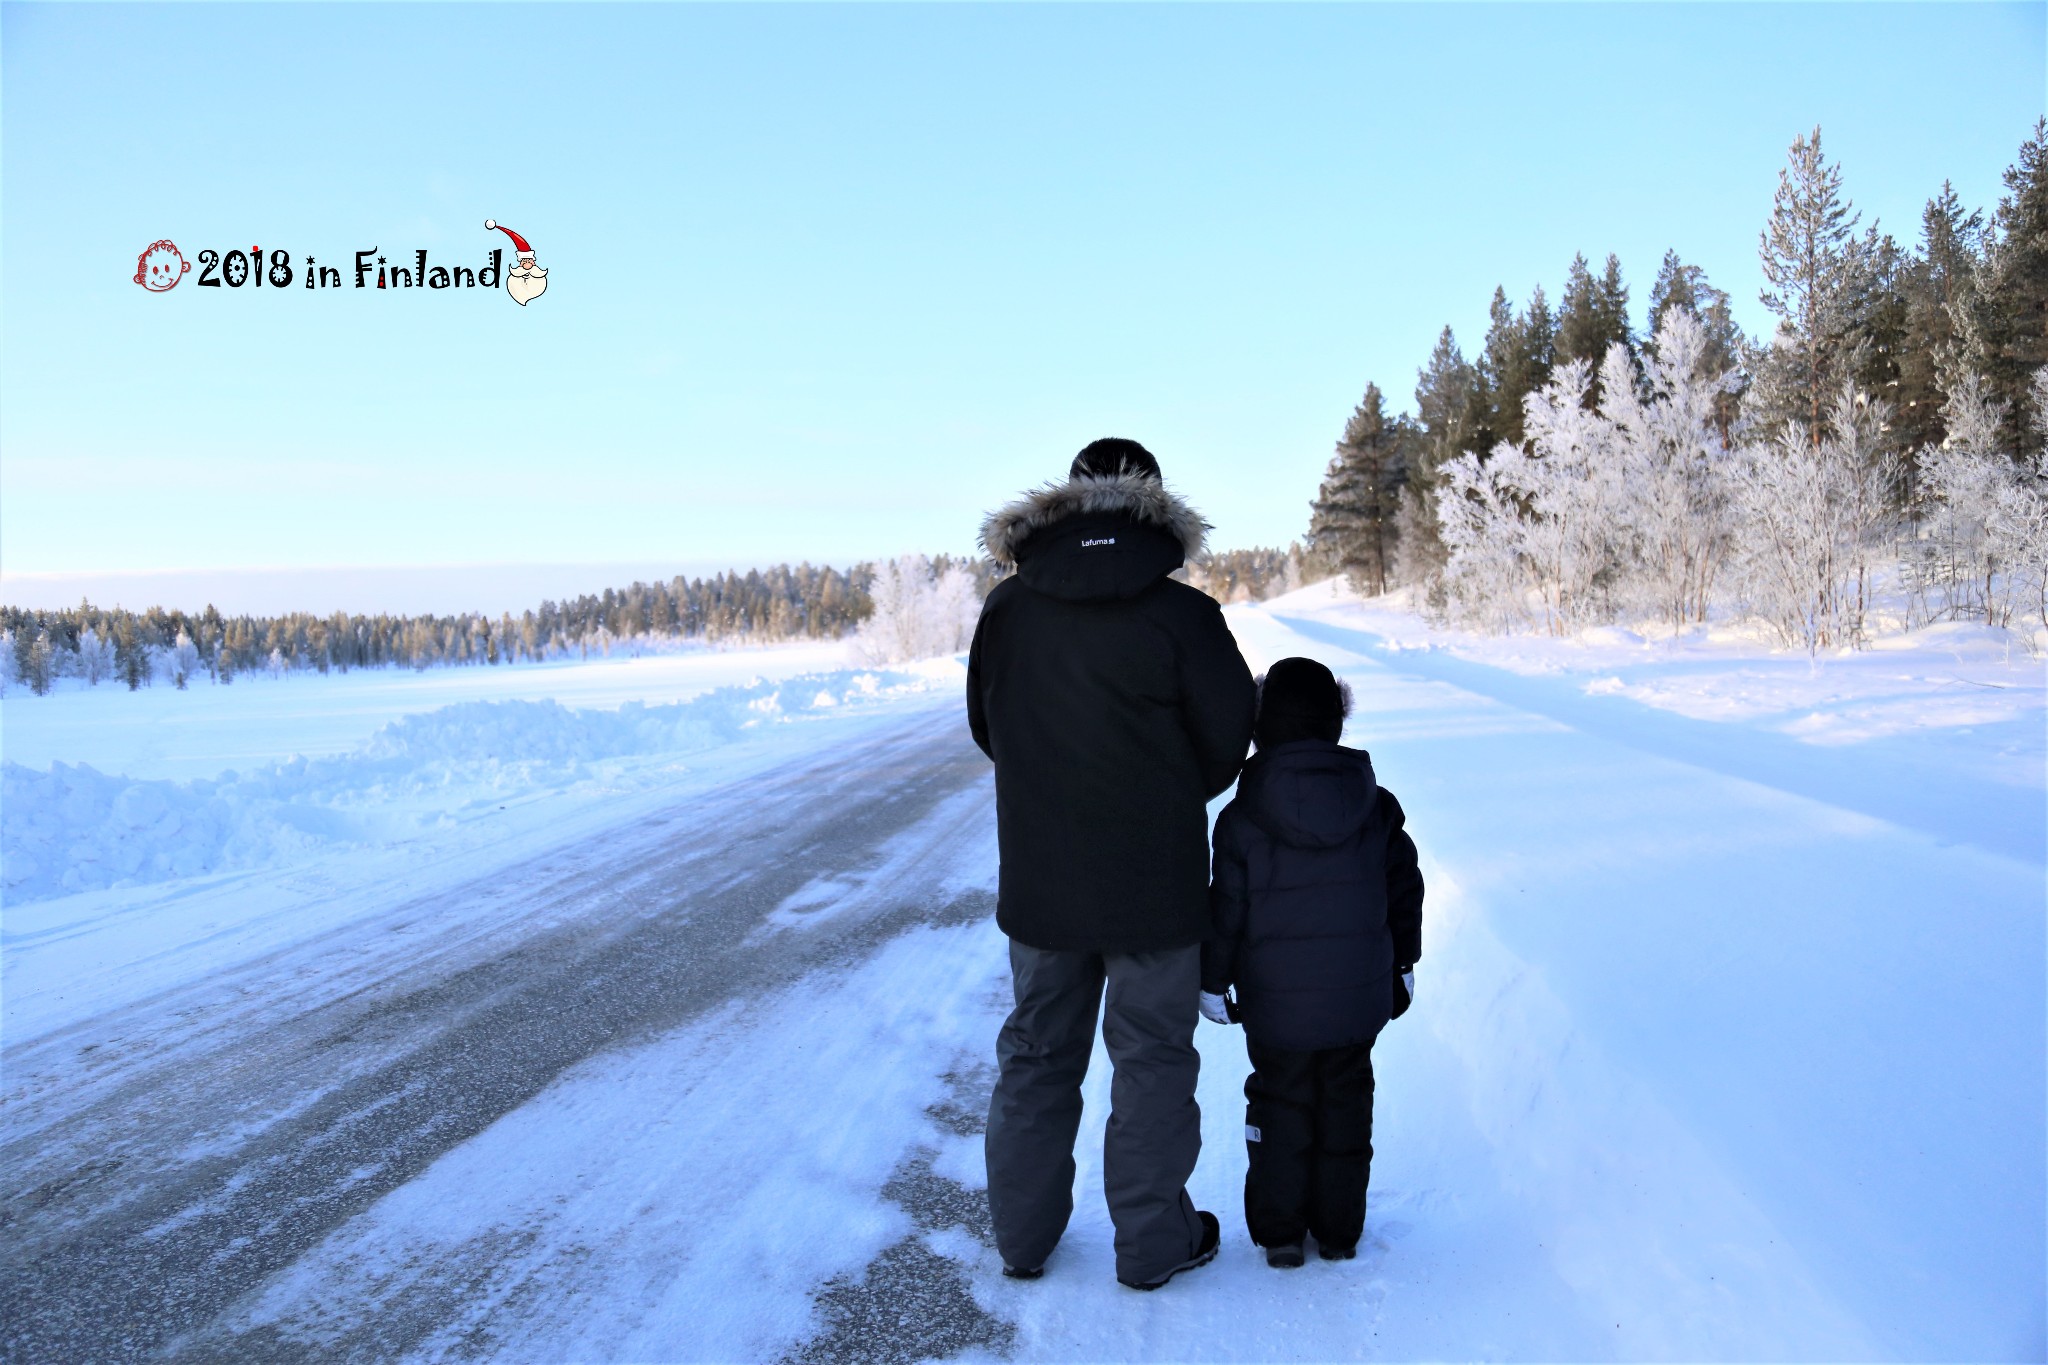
168,1161
1716,1055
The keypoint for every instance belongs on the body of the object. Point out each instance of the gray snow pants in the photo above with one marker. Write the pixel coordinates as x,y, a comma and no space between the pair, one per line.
1155,1128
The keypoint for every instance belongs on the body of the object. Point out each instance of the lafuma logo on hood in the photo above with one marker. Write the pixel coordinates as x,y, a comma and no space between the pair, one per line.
1106,540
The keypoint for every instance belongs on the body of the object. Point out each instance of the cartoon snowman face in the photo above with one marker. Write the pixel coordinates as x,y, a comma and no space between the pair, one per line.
161,267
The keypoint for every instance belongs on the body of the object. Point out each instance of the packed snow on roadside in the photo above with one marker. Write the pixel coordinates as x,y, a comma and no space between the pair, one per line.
1952,675
72,827
210,728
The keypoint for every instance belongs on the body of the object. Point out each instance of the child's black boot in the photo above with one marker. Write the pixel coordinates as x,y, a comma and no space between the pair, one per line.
1288,1257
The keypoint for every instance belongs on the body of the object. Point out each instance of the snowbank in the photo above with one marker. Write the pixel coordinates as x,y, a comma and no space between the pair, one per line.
161,732
73,828
1951,676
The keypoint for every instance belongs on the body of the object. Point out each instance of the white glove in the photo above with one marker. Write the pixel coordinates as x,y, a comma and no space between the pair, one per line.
1408,984
1213,1010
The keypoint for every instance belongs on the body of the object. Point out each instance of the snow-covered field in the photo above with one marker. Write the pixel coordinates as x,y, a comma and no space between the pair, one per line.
642,1013
160,732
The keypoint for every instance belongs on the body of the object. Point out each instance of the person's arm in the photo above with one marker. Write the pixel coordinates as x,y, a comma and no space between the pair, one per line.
1404,886
977,716
1227,902
1217,696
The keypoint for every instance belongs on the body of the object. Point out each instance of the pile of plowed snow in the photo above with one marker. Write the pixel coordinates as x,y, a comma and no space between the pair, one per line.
74,828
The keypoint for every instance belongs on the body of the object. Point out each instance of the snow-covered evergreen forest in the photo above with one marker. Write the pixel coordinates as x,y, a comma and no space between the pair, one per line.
1875,464
98,644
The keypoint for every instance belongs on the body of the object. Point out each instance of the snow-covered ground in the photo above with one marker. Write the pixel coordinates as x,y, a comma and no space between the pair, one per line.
1729,1039
160,732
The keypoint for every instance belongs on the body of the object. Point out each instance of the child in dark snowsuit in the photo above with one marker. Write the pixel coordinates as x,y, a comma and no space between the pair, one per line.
1318,907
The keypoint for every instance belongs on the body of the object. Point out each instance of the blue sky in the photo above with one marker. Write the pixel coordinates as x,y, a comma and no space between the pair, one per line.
827,282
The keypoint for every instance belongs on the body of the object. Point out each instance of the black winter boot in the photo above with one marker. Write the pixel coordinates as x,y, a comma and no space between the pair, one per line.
1212,1237
1288,1257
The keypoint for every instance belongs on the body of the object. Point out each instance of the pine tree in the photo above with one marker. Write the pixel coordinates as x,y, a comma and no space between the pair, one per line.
1352,525
42,664
1514,363
1812,263
1936,284
2011,340
1446,392
1593,317
21,643
131,655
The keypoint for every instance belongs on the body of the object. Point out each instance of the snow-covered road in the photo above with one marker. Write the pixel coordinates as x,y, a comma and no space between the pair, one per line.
1715,1056
171,1157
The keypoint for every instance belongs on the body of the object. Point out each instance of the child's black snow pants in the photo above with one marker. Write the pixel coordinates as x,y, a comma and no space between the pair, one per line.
1308,1129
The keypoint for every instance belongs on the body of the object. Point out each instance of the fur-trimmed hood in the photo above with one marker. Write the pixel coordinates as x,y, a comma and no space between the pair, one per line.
1138,496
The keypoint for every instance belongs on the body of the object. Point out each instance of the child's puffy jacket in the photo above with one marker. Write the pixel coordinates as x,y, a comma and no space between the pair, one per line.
1316,897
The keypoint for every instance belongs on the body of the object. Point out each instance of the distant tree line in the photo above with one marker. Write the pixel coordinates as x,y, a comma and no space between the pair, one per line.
1575,470
1252,575
175,647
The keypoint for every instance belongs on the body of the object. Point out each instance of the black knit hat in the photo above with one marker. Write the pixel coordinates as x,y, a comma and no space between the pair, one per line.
1300,699
1111,456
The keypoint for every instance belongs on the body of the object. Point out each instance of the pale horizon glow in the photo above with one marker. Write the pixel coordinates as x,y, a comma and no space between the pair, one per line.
395,589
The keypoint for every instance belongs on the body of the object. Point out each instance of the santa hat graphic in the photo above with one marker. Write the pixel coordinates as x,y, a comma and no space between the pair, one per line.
517,240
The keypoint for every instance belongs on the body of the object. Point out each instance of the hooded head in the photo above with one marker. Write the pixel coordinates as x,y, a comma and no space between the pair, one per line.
1302,787
1300,699
1111,456
1111,530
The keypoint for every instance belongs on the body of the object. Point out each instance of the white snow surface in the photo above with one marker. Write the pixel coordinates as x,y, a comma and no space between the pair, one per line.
208,729
1728,1041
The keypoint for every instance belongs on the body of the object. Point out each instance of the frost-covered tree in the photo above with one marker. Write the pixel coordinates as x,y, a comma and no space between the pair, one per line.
1675,464
95,657
183,660
2023,512
921,610
1812,519
1549,517
1484,575
1572,481
1982,542
1686,287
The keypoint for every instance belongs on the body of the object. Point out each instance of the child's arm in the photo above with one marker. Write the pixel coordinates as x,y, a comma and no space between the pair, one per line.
1404,886
1226,907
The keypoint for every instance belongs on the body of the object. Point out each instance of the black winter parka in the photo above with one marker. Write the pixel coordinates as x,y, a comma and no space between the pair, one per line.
1317,898
1115,704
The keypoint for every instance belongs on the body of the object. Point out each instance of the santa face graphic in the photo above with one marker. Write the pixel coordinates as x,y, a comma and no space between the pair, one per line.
526,280
161,267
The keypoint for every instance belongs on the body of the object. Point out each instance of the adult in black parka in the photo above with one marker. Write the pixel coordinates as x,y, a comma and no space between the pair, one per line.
1115,704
